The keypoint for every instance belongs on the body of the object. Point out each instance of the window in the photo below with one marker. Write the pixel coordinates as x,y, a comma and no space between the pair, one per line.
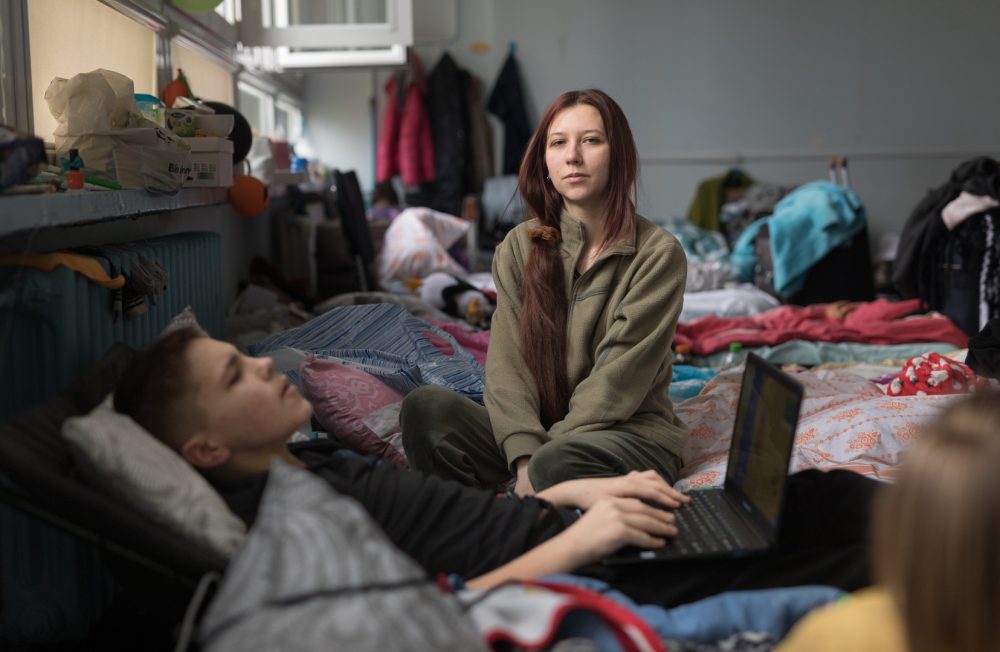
13,89
329,33
331,23
62,40
209,79
287,121
229,10
41,40
257,106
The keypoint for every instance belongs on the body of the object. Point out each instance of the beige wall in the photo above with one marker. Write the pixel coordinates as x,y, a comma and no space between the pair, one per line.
68,37
209,80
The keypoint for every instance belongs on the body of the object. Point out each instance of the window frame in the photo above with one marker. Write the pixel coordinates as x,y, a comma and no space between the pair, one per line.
209,34
255,29
15,66
245,85
293,109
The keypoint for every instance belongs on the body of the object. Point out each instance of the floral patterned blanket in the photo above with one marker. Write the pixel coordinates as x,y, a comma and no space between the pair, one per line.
847,422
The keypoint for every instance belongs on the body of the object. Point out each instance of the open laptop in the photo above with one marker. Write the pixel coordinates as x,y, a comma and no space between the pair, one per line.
741,517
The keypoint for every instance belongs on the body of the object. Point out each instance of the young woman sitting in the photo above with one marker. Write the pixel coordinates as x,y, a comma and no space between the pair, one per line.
588,296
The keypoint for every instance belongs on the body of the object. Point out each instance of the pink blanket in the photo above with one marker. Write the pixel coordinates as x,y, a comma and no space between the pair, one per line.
475,342
876,322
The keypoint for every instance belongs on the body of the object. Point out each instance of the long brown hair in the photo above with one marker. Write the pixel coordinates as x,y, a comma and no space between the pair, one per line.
937,531
543,306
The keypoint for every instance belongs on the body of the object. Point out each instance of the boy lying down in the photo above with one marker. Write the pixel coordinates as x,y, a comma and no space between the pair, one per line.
228,414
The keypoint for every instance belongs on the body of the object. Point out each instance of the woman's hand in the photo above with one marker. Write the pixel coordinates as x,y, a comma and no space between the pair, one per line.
612,523
522,486
585,492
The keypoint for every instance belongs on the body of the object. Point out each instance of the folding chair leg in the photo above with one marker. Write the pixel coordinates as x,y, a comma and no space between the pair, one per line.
359,264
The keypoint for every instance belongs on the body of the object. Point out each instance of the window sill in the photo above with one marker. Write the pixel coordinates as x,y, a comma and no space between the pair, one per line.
25,212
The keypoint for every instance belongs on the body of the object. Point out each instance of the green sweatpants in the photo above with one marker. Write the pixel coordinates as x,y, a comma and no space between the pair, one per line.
449,435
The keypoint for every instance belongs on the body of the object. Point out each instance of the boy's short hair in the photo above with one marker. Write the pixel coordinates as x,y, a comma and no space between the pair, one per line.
155,386
937,530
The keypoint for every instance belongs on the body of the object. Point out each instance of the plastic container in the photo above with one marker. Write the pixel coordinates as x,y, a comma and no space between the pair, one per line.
213,125
151,108
74,179
74,175
734,356
181,122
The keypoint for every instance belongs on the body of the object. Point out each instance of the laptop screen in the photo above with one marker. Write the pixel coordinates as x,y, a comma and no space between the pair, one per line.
763,434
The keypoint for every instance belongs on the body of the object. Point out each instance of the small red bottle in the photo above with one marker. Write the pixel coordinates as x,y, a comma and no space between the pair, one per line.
74,175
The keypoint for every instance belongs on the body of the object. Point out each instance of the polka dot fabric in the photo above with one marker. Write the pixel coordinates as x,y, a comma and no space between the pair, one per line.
932,373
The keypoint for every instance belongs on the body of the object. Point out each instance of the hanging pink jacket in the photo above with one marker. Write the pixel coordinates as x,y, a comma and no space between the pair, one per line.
387,154
404,145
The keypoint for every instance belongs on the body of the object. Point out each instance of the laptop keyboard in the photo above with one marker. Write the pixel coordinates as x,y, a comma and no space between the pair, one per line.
706,525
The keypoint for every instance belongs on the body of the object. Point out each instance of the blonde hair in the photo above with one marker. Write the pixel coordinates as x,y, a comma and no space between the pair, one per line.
937,531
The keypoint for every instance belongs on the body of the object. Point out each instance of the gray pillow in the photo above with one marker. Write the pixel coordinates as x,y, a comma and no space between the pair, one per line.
316,573
119,456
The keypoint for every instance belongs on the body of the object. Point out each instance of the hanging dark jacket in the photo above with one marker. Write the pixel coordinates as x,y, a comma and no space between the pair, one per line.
447,105
506,101
924,233
480,136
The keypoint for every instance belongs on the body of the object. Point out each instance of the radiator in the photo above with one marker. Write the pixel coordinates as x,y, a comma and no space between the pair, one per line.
54,325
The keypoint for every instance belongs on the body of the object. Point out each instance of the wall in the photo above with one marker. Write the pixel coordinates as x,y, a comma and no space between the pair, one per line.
899,87
337,122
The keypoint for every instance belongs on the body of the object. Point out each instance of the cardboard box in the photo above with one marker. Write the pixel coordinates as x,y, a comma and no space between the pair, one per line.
211,163
138,157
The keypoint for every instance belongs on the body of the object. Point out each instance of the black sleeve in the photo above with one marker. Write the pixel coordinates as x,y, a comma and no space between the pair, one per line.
444,526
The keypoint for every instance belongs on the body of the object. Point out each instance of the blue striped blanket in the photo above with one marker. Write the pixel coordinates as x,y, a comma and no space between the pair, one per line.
385,341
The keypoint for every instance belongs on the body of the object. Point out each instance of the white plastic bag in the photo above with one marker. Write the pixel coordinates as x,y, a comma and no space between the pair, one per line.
91,102
416,244
99,117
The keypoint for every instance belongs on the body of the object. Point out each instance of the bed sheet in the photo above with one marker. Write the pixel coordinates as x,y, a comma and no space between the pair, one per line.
809,353
846,423
741,300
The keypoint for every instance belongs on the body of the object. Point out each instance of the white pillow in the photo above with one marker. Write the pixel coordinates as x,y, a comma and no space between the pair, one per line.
119,456
184,319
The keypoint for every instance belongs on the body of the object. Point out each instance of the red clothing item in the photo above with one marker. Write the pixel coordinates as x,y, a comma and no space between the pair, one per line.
876,322
404,144
416,150
933,374
387,153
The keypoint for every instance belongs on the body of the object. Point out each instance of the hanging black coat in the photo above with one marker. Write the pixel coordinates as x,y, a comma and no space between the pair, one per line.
447,106
953,271
506,101
924,230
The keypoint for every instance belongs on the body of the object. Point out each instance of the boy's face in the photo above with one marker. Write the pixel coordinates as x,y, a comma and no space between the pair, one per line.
247,406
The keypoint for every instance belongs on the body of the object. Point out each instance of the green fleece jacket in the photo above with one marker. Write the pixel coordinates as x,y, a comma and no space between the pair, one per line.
622,315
